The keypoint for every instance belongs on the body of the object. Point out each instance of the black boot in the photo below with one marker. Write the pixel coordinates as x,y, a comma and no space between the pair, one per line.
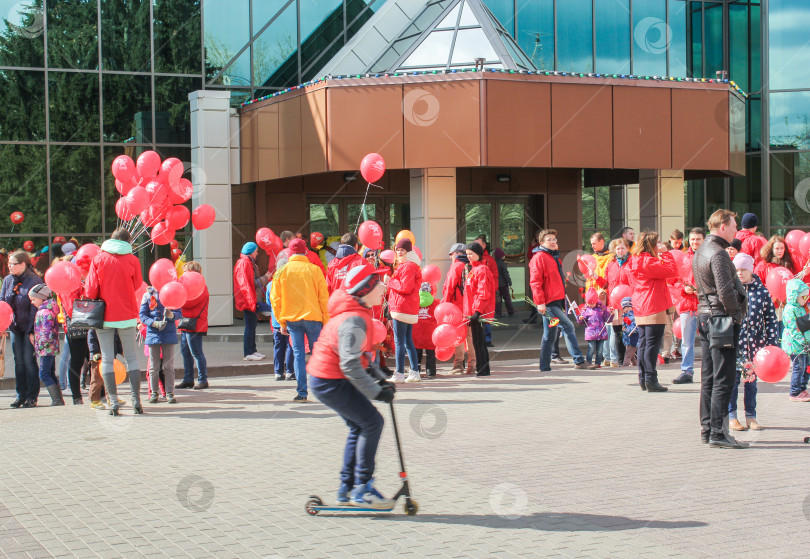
55,392
17,403
653,386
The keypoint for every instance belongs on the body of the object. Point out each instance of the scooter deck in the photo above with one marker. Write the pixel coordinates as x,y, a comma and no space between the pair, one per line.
348,508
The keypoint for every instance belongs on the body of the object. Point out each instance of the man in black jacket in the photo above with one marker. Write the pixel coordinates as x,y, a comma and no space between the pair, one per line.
721,309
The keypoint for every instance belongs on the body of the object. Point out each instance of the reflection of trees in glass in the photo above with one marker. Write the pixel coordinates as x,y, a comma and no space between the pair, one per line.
72,34
73,107
21,40
22,188
478,221
595,214
324,219
127,108
177,36
75,189
267,58
354,211
512,230
125,35
22,97
217,55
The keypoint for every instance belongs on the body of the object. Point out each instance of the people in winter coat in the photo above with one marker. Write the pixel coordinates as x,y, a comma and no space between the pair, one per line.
16,286
629,332
46,339
161,337
341,381
403,304
616,274
424,327
752,243
759,329
479,302
346,258
796,337
504,284
192,332
603,257
246,283
453,292
595,316
774,254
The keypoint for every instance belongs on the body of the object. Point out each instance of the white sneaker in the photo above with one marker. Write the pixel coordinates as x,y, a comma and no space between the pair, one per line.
260,355
396,377
251,358
413,376
367,496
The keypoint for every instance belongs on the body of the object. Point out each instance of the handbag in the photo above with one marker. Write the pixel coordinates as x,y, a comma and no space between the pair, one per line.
721,332
74,333
190,324
88,313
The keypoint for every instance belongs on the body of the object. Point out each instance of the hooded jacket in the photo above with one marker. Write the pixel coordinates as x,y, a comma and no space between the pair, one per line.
760,327
151,311
751,244
453,290
46,329
299,292
479,290
648,277
331,359
115,275
793,341
15,293
720,291
403,290
595,320
346,258
424,327
545,276
246,281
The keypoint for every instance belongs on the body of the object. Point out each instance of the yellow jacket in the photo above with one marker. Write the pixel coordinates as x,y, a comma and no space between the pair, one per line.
602,260
299,292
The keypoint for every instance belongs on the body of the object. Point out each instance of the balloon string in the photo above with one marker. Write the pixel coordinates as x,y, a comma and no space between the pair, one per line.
363,207
139,247
188,243
12,231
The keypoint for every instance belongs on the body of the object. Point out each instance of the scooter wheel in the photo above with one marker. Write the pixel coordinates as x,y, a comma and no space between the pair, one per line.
313,502
411,507
806,440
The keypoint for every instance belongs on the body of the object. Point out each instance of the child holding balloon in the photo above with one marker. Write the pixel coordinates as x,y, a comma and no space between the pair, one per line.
161,339
46,339
595,317
423,329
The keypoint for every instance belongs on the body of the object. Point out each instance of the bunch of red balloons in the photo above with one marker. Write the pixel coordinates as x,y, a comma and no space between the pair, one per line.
450,330
269,241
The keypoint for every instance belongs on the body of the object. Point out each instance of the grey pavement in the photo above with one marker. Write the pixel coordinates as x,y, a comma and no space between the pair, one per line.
520,464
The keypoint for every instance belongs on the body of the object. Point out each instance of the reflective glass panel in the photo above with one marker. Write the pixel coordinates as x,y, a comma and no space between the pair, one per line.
788,50
265,10
227,30
22,96
23,187
325,219
789,120
450,19
694,36
399,219
504,10
755,48
512,234
73,107
651,37
127,108
574,39
172,114
72,34
746,192
535,28
354,212
22,32
713,20
715,195
177,36
365,11
738,45
125,35
434,50
613,37
75,189
323,43
790,189
472,44
478,221
753,130
677,44
695,207
275,47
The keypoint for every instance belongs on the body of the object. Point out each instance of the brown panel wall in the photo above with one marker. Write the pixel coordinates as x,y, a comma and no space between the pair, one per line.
527,145
247,141
289,137
581,122
442,124
699,129
313,132
364,120
267,133
642,135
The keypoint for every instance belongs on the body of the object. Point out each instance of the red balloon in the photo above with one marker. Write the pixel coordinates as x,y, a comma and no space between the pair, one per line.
17,217
372,167
776,282
793,238
161,273
63,277
148,164
29,246
388,256
683,261
587,264
203,216
461,334
125,173
171,170
276,245
174,244
447,313
675,294
124,188
173,295
380,332
431,274
417,251
176,253
6,316
139,293
264,238
178,216
445,353
676,328
444,335
137,200
152,215
157,190
182,192
371,235
88,251
771,364
804,246
194,282
162,234
122,210
619,292
315,239
59,240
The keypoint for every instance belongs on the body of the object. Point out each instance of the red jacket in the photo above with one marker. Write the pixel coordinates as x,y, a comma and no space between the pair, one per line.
751,244
337,269
479,291
115,275
544,279
492,265
616,275
197,308
315,259
453,291
762,269
688,301
325,360
424,327
648,276
403,290
244,283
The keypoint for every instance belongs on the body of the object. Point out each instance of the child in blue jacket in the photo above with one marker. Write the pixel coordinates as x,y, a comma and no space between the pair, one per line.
161,339
629,332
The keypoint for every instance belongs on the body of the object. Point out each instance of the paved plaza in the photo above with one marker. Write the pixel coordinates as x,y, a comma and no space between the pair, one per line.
563,464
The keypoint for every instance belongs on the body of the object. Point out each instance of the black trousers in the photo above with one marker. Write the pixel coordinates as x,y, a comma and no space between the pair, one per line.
718,372
79,353
430,360
649,343
480,345
617,330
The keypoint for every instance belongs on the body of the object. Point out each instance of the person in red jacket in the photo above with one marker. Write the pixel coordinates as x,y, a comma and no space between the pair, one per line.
774,254
453,292
114,277
403,303
246,281
648,274
616,274
687,311
193,327
479,302
315,259
339,378
751,242
548,293
423,330
493,269
346,258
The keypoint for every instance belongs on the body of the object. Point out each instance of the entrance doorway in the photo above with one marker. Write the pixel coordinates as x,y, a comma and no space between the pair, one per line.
335,216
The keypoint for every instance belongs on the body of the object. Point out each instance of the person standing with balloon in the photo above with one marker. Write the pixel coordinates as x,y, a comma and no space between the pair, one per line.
403,303
453,292
161,337
246,282
193,328
479,302
21,279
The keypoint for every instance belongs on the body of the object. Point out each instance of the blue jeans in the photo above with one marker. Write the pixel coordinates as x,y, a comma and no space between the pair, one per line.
298,329
365,427
64,365
688,331
191,348
612,350
595,351
403,341
550,335
47,369
749,398
249,340
488,333
26,372
799,376
282,350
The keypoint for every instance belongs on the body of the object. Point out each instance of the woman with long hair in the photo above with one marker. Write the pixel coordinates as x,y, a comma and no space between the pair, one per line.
774,254
648,271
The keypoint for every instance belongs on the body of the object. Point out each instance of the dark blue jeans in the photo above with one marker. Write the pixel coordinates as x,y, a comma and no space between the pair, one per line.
749,398
403,342
47,370
550,337
249,341
365,427
595,351
799,376
191,348
298,329
26,372
282,353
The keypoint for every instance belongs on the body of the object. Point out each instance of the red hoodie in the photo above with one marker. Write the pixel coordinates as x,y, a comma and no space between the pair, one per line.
453,291
648,277
325,360
545,280
479,291
339,267
751,244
